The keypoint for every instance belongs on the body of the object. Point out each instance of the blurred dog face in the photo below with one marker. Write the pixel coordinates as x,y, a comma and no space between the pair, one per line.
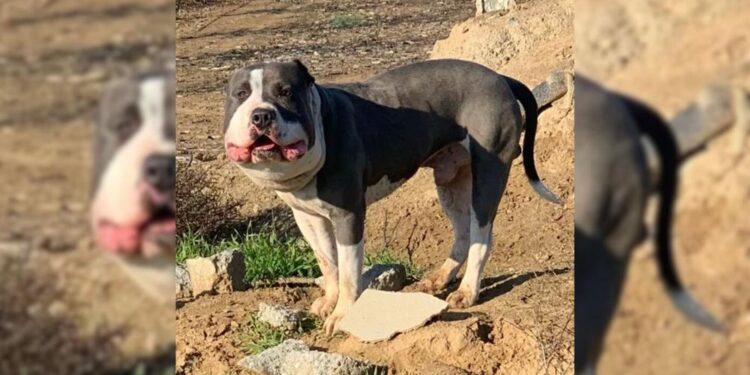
271,112
133,209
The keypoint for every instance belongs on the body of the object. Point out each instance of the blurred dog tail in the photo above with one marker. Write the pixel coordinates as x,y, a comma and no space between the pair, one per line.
654,127
526,97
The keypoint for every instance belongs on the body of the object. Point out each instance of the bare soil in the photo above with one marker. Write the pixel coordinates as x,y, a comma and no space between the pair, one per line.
666,53
523,322
74,310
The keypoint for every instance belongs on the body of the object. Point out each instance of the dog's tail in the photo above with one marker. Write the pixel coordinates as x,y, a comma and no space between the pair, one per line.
654,127
526,97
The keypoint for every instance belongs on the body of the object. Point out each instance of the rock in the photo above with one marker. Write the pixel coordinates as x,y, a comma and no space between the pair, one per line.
203,276
182,278
293,357
373,318
553,88
486,6
220,273
230,265
279,316
388,277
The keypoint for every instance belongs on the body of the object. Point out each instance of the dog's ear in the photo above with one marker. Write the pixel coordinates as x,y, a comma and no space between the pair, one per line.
303,70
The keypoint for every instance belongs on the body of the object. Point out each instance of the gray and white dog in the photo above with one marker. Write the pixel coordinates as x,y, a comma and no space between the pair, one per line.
133,194
612,187
329,151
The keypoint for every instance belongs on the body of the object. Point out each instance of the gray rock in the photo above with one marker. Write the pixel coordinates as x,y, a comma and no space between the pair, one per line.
182,278
293,357
230,266
279,316
486,6
387,277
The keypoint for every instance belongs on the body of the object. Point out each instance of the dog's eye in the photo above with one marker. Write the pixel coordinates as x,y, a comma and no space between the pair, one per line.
241,95
285,92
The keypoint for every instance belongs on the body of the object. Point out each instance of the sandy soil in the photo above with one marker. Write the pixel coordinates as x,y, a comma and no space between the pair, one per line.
523,322
666,53
55,57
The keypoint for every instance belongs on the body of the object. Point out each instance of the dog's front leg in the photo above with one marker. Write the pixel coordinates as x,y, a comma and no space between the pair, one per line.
349,229
318,232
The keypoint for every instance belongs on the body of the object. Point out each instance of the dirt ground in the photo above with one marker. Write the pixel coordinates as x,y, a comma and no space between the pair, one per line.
666,53
523,322
73,310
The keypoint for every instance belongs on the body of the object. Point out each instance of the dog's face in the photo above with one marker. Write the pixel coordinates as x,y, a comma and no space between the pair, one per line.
271,110
133,208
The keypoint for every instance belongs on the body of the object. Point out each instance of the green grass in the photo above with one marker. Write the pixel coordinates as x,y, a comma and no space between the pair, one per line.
345,21
386,256
267,255
259,336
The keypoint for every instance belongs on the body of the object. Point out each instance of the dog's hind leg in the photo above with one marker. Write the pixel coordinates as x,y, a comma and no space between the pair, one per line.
455,198
489,175
318,232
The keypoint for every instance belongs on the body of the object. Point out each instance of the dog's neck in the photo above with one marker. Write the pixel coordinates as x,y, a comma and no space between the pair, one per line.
293,176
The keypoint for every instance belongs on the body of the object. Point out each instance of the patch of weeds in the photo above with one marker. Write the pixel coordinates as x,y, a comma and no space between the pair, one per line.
268,256
259,336
202,207
346,21
386,256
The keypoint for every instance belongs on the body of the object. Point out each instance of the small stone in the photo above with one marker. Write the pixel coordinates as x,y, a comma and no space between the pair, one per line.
293,357
182,278
388,277
279,316
203,275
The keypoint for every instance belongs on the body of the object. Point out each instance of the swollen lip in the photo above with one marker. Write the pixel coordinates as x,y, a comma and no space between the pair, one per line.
128,239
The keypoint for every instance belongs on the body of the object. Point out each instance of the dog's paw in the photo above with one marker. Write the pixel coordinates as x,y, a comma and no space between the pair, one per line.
323,307
433,282
331,324
461,298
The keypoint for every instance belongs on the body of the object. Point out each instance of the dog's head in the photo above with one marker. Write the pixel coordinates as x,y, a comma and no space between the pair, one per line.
133,208
272,120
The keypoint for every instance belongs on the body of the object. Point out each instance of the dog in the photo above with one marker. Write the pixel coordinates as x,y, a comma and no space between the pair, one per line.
331,150
612,185
133,190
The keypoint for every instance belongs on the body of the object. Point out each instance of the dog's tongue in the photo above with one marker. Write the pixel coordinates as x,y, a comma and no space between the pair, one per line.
294,151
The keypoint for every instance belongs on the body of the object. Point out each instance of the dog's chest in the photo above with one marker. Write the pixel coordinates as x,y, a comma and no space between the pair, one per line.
307,200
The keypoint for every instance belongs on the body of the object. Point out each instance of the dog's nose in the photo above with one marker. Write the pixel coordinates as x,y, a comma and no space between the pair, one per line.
262,118
159,172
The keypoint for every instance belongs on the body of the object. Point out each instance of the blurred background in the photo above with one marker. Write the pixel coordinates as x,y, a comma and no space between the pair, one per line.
668,54
66,307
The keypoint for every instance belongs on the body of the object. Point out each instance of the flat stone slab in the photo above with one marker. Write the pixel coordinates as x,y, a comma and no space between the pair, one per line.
379,315
293,357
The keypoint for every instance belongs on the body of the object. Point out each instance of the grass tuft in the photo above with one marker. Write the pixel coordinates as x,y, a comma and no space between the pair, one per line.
267,255
386,256
259,336
346,21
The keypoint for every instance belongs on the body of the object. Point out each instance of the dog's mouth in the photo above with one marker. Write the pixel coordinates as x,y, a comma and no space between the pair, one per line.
266,148
148,238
